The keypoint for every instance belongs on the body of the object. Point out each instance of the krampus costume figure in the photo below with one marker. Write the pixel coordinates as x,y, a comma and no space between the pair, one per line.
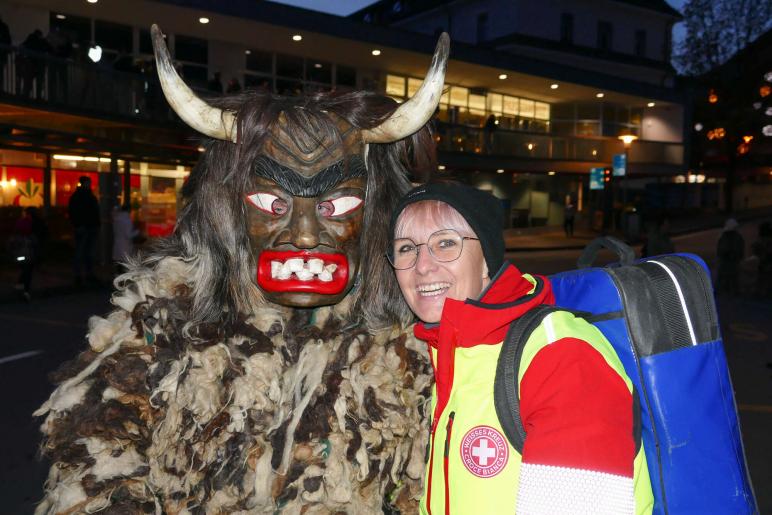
257,360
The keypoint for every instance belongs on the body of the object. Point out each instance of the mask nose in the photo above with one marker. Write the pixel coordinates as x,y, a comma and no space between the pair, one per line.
304,226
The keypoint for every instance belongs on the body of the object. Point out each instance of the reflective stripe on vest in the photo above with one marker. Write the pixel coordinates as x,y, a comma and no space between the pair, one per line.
482,468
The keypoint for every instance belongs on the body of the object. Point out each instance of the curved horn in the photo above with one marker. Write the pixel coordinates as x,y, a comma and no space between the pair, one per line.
414,113
199,115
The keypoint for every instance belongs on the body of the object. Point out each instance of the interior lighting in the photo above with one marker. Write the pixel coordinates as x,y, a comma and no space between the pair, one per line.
554,86
317,65
712,97
747,139
651,104
767,130
594,152
203,20
627,138
248,52
376,52
500,170
61,17
765,90
698,127
68,158
440,167
530,146
502,76
92,1
551,172
600,95
297,37
4,183
95,53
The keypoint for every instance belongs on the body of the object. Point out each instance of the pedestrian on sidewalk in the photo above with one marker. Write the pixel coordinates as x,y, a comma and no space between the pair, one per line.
124,234
569,213
84,216
30,232
730,251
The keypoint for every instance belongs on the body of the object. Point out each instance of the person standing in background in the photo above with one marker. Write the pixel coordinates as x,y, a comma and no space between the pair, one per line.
569,212
83,209
30,232
123,237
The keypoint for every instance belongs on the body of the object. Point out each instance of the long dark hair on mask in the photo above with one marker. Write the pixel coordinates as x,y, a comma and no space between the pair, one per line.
211,230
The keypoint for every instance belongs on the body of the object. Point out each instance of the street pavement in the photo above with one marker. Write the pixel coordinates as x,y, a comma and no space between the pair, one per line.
37,337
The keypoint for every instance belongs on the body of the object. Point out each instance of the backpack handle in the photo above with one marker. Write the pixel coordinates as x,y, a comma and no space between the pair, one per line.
625,252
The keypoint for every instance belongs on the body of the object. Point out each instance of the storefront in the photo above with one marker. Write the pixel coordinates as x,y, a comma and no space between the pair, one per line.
153,195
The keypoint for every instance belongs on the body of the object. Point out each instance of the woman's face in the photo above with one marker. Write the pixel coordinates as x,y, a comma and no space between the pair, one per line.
426,285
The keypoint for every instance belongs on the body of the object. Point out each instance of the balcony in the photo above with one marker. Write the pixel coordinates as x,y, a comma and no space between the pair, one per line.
507,147
82,85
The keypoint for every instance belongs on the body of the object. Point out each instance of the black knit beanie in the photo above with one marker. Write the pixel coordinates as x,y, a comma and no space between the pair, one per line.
480,209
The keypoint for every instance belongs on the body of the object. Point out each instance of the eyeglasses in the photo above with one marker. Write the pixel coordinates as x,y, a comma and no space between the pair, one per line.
444,246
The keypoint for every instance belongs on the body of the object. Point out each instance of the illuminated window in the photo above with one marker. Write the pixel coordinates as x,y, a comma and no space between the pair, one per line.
495,102
511,106
526,108
541,111
395,86
477,104
459,96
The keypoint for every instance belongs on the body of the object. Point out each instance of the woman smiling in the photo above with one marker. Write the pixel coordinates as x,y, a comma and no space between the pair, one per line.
579,454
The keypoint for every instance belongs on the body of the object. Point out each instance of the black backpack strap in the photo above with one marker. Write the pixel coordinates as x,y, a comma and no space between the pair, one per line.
506,397
505,388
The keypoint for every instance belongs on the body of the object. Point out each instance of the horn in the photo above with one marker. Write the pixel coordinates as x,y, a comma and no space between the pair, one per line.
414,113
199,115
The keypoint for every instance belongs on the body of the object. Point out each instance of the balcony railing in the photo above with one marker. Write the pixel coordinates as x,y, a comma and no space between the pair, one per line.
82,85
529,145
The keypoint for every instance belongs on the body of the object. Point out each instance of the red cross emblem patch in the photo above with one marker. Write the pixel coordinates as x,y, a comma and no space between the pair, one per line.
484,451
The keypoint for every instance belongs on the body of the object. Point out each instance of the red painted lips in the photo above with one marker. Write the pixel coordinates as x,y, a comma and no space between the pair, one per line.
269,282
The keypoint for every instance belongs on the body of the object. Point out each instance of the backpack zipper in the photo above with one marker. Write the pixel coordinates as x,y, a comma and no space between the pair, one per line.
445,464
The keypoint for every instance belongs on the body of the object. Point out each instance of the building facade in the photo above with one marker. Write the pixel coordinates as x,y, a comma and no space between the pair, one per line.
527,110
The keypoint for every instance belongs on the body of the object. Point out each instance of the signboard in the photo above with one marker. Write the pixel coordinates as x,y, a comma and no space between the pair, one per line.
620,165
596,178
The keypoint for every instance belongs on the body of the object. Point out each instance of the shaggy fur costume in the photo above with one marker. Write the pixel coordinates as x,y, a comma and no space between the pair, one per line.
287,410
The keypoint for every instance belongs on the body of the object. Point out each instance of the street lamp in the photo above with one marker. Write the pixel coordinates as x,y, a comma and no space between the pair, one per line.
627,139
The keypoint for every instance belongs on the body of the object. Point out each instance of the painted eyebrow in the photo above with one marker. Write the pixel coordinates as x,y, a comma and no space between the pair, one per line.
298,186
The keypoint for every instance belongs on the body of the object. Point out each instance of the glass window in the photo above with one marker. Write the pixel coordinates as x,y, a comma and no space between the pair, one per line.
258,82
445,98
113,36
412,86
319,71
495,102
541,111
588,128
526,108
78,28
195,75
345,76
623,114
145,42
636,114
605,35
588,111
289,66
640,43
459,96
190,49
511,106
395,86
564,111
259,61
477,104
289,87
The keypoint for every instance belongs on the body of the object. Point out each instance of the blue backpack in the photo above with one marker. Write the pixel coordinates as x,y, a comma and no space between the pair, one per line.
660,316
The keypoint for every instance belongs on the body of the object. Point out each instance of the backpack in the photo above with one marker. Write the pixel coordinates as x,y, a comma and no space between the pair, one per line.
660,316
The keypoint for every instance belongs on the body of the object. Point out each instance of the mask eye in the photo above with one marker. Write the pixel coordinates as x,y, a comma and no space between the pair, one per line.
338,206
268,203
